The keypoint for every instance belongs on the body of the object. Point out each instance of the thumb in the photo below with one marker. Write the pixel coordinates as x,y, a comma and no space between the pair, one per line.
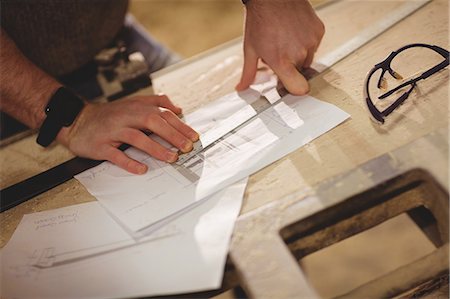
249,69
293,80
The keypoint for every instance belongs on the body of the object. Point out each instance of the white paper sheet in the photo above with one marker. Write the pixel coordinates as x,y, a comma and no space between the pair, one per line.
141,202
73,252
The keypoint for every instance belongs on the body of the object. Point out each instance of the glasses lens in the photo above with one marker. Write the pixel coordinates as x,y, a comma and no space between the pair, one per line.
412,62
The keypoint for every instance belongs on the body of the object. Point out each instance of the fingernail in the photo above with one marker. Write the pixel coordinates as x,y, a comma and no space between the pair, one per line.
187,146
141,169
172,157
194,136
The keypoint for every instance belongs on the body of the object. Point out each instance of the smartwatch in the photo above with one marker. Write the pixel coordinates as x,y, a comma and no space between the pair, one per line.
61,110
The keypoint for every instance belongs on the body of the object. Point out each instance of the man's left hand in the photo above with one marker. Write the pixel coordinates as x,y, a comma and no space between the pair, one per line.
285,34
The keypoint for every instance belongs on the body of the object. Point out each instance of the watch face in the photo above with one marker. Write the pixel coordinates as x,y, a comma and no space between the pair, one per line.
64,106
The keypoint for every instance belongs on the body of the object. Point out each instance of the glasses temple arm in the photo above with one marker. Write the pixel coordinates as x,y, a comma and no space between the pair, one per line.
390,92
398,102
435,69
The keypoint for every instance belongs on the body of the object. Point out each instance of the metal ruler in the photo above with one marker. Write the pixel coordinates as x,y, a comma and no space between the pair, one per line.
260,105
27,189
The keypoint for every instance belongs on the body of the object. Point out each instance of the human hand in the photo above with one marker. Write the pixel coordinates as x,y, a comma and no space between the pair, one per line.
101,128
285,35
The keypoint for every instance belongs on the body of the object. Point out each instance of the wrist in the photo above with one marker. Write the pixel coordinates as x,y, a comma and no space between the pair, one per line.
40,102
66,134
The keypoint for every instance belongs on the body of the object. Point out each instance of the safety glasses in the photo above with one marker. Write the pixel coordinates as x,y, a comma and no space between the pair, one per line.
389,100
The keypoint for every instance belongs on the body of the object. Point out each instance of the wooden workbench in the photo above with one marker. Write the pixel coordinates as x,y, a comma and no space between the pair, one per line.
329,166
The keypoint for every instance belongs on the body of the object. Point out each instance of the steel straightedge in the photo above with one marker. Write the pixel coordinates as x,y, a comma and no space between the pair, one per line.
31,187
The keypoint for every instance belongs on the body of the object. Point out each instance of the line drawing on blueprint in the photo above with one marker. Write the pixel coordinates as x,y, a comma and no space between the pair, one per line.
89,227
48,259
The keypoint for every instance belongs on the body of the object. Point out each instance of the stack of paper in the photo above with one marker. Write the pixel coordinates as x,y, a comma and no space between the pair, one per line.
143,202
80,252
167,231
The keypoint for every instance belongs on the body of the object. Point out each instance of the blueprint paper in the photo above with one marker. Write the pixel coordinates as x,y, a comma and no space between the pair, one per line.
46,256
210,124
75,232
141,202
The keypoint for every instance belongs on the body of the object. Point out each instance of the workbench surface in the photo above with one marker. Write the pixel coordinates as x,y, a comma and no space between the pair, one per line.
351,144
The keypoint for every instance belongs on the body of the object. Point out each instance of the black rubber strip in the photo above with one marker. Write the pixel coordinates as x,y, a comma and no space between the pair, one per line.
29,188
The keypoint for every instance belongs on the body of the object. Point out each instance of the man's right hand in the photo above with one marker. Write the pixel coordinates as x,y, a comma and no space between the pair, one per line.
100,129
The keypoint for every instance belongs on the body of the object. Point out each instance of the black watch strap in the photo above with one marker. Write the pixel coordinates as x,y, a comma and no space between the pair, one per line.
62,109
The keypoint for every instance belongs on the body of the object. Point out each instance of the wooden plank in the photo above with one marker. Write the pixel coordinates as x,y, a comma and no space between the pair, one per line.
336,209
404,278
349,145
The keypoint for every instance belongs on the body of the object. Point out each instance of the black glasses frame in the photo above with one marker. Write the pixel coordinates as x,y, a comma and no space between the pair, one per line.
385,66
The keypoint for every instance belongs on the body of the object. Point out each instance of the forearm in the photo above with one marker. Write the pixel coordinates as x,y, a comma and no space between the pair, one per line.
24,88
98,129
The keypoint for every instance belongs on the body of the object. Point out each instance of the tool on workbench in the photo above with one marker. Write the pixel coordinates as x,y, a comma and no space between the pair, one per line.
119,73
23,191
260,105
404,88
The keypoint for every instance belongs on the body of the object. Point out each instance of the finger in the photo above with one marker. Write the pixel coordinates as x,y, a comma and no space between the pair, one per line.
165,102
309,59
249,69
162,128
141,141
179,125
120,159
292,79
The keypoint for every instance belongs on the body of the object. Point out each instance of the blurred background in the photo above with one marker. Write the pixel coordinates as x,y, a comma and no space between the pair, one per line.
189,27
